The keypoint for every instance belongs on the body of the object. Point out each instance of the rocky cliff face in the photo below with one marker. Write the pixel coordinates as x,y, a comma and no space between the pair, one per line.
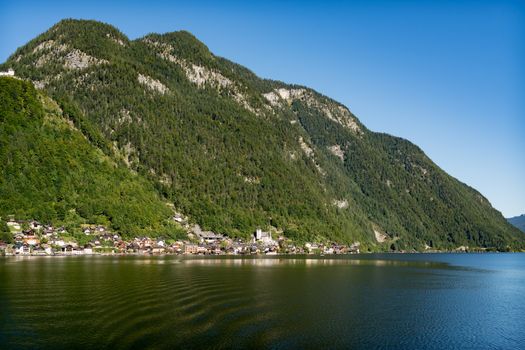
235,152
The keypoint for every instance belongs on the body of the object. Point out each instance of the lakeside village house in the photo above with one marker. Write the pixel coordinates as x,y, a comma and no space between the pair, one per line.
10,73
30,237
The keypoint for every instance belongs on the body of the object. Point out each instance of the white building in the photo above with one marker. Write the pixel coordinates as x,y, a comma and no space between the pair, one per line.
59,243
10,73
264,237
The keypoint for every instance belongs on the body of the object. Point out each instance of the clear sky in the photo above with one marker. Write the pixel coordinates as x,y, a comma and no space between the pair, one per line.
447,75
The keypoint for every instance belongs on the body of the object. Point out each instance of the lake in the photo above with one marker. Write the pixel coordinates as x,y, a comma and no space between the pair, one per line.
376,301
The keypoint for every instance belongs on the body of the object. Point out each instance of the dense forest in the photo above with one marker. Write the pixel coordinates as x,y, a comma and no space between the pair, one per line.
50,171
165,120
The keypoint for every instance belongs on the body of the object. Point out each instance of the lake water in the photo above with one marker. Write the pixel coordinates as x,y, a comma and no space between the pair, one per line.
419,301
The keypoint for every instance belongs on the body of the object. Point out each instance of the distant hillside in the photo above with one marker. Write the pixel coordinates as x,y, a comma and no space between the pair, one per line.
227,148
518,221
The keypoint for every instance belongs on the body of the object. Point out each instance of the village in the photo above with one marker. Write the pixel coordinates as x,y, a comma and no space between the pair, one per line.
32,238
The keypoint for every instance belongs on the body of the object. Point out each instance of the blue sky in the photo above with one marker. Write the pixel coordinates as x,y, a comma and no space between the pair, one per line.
447,75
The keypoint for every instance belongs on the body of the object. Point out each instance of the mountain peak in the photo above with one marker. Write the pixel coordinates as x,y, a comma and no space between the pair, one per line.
84,31
73,43
183,44
69,23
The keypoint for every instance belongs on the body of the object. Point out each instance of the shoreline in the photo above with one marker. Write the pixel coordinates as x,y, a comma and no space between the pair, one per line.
233,256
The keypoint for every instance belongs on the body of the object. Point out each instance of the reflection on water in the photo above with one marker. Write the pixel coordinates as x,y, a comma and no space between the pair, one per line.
233,260
302,261
362,301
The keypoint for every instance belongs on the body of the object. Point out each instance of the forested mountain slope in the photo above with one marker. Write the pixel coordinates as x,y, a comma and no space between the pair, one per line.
235,152
50,171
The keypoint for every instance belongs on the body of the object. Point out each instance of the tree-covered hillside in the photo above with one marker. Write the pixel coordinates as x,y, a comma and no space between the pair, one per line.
235,152
49,171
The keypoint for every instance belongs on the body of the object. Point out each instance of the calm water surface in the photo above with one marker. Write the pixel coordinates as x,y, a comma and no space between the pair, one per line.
420,301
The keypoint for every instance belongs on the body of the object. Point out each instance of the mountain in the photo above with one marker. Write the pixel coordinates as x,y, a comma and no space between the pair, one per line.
235,152
518,221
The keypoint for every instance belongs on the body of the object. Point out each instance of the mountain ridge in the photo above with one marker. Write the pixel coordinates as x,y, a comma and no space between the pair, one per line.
518,221
235,151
